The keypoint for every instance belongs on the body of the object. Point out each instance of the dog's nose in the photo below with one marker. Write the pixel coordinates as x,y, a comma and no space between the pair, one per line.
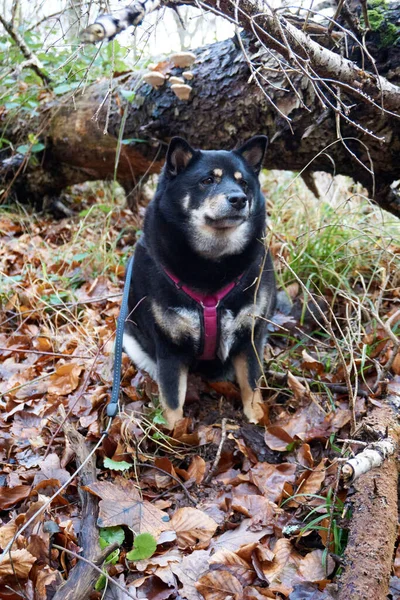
238,201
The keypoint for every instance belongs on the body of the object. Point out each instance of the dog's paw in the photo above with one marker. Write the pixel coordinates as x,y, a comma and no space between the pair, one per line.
253,408
172,417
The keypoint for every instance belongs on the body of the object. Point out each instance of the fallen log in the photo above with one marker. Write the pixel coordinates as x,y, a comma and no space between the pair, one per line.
373,528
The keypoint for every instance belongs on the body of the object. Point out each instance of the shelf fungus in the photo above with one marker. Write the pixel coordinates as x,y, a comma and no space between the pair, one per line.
181,90
154,78
183,59
187,75
172,80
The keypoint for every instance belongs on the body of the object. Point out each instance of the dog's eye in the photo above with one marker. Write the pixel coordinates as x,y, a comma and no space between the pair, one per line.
245,185
208,181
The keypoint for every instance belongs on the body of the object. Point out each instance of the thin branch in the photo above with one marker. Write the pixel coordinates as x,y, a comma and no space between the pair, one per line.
32,60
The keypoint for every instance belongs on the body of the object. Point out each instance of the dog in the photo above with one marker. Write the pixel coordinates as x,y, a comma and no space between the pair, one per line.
203,284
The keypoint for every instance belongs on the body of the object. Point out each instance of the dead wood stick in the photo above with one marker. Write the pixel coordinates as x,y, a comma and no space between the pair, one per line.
219,452
96,568
83,576
373,527
371,457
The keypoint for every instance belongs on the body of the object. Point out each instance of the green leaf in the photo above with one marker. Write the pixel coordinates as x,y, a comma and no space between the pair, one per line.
65,87
117,466
110,535
144,547
129,95
38,147
100,583
130,140
24,149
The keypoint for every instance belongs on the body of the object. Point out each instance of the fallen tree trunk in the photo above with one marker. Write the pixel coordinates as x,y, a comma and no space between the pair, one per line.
373,528
223,110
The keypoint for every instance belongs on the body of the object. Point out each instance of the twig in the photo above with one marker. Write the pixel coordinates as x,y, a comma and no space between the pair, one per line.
81,579
95,568
335,387
181,484
32,60
48,502
219,451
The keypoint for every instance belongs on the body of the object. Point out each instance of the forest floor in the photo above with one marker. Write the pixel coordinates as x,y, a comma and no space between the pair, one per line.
220,508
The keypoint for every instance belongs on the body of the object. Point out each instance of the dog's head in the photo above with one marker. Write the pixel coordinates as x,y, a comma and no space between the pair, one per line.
214,195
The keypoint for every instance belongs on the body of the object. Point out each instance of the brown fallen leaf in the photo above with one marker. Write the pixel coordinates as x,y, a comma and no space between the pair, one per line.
18,564
65,379
220,585
311,364
299,390
189,571
310,484
197,469
237,566
270,479
313,568
121,504
261,511
193,527
11,496
7,533
277,438
235,539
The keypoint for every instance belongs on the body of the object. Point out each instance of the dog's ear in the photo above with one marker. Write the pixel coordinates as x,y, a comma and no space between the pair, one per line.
253,151
179,155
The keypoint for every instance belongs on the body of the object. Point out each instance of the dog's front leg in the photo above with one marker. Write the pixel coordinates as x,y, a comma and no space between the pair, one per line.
172,383
248,372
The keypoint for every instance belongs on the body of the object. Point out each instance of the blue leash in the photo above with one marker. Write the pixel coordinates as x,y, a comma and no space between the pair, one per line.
112,408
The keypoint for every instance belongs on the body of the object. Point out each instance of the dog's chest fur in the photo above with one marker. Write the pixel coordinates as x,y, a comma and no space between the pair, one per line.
182,324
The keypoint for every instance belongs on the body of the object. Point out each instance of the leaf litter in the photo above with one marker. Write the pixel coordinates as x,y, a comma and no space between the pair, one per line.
266,525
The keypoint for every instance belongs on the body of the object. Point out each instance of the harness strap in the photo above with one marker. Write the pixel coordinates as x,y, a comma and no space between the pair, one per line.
209,304
112,408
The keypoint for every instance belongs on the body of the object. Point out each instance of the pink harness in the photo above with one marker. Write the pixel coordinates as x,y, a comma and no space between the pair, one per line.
209,305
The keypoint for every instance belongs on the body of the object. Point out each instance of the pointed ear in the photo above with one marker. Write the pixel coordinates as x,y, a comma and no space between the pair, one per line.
179,154
253,151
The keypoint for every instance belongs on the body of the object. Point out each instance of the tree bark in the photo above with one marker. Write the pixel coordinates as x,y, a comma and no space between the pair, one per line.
223,110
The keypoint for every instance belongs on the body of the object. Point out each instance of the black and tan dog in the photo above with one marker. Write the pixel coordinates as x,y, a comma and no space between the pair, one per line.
202,283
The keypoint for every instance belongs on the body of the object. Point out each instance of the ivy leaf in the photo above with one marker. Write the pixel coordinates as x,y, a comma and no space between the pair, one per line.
144,546
117,466
110,535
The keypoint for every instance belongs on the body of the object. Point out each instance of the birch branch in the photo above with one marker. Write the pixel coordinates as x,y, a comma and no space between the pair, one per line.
107,26
370,458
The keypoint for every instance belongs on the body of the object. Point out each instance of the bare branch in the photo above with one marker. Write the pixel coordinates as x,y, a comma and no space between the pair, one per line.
32,60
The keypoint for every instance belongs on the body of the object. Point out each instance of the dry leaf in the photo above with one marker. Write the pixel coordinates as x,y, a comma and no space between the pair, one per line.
19,564
193,527
237,566
312,567
189,571
7,533
270,479
220,585
9,497
121,504
277,438
234,539
65,380
197,469
311,364
299,390
311,484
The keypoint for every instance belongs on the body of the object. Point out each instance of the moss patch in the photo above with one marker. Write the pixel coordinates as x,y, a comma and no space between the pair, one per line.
388,32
